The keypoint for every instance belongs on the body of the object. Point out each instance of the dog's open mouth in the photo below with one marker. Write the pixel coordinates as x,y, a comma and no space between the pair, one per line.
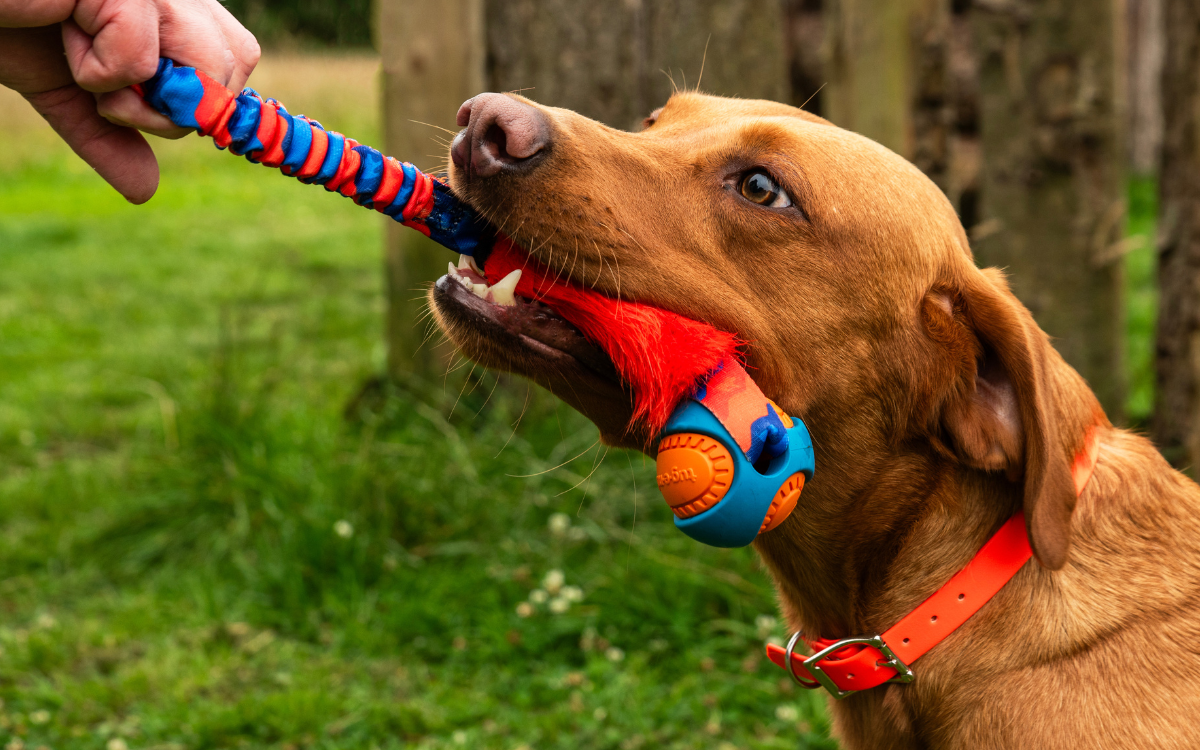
521,321
655,356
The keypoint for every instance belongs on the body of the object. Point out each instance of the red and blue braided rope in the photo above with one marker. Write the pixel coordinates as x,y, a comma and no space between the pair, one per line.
265,133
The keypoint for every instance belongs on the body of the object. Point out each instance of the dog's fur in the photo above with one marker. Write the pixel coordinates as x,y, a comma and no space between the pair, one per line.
936,405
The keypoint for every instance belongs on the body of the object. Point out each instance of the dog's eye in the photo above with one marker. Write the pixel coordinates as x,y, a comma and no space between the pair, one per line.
758,187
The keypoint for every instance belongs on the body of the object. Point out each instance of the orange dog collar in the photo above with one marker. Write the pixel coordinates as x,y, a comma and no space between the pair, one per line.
849,665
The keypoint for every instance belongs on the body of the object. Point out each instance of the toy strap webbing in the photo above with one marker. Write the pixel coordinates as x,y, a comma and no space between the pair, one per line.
265,133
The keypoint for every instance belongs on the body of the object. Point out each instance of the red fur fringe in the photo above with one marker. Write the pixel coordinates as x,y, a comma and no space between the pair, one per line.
660,354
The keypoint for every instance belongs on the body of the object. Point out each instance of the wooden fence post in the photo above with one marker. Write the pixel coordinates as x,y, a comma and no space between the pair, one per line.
1052,185
617,61
1177,407
868,55
433,58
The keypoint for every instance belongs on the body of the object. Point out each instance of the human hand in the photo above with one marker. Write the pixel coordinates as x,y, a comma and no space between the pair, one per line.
74,61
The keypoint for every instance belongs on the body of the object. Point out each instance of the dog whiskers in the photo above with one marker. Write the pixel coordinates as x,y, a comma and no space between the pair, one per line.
466,382
516,424
555,468
438,127
596,464
703,59
600,266
633,524
488,400
671,78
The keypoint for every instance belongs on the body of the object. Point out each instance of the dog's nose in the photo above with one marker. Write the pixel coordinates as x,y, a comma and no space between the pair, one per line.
500,133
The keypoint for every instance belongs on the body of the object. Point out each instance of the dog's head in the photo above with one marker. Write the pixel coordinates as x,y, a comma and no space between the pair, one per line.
843,270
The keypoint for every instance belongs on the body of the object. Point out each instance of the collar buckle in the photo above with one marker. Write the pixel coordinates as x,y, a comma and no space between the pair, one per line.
904,673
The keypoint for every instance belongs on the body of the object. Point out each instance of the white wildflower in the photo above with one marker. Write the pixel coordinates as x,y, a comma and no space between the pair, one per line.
765,625
116,743
559,605
537,596
572,593
41,716
787,713
554,581
344,529
559,523
614,654
524,609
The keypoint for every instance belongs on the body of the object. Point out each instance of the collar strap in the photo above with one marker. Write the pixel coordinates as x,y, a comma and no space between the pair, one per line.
848,665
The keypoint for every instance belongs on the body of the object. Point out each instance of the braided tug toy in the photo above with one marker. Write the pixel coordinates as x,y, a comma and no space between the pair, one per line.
730,464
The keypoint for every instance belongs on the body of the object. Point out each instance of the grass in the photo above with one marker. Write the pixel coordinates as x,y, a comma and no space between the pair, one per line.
201,548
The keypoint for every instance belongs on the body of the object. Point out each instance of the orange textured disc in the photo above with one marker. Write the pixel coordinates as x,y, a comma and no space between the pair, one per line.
784,502
694,472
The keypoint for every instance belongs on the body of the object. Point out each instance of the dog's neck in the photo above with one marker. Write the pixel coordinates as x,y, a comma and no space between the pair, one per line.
861,573
894,510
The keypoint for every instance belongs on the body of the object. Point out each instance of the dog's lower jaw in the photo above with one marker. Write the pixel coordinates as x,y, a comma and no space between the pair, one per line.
599,396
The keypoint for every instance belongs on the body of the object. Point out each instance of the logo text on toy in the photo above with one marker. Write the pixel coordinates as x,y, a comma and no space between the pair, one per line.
676,475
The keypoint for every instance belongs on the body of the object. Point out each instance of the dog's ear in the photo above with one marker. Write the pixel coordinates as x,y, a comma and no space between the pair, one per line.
1013,405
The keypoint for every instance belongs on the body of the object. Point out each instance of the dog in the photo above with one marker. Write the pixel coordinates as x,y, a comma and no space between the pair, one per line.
937,407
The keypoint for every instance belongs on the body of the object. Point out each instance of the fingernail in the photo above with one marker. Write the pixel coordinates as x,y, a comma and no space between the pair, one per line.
117,121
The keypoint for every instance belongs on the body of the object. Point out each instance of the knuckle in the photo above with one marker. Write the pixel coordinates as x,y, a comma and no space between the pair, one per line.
144,68
103,76
251,51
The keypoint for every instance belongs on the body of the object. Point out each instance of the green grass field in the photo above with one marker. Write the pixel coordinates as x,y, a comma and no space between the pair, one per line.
199,549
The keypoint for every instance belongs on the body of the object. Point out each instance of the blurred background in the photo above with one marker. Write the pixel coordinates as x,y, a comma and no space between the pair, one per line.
249,499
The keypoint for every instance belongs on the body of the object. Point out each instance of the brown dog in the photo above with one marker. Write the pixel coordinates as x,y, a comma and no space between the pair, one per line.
936,405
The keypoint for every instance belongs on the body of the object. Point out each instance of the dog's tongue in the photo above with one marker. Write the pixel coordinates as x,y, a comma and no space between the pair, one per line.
662,355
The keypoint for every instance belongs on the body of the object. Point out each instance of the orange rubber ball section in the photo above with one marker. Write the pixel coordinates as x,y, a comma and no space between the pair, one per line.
784,502
694,472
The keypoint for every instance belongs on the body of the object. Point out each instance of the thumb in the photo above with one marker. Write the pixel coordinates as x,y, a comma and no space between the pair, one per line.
120,155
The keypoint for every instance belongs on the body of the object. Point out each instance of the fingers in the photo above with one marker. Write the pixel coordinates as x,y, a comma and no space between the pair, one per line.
124,107
116,43
32,63
242,44
31,60
190,35
24,13
120,155
111,44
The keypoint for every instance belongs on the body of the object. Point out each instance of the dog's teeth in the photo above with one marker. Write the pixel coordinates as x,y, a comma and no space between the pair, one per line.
454,274
464,261
471,263
504,290
452,271
479,290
